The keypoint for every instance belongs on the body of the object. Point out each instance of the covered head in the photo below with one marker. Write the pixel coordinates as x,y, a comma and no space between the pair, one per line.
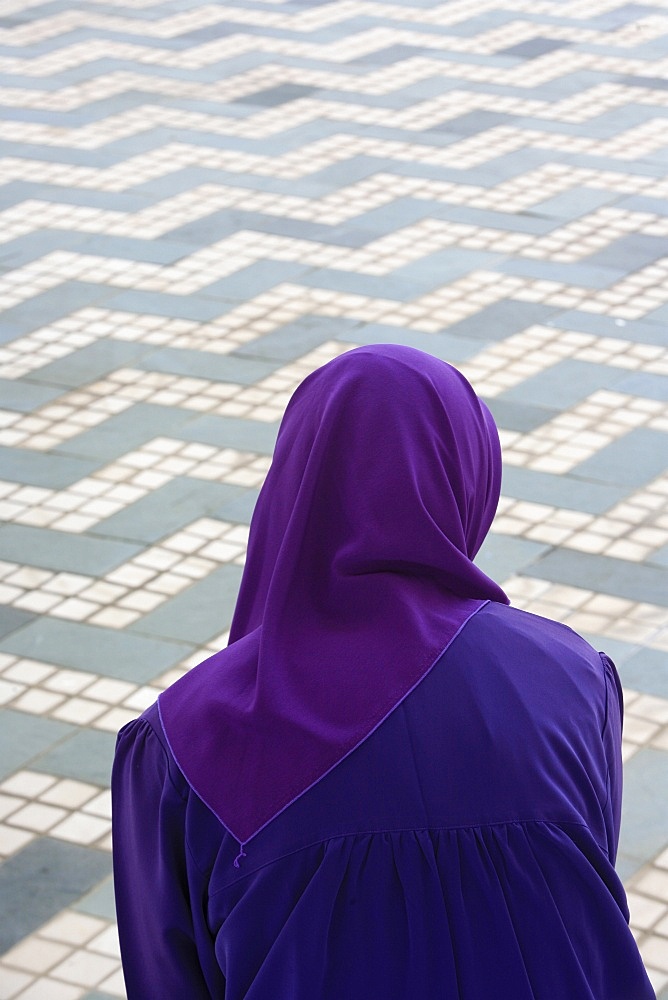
384,482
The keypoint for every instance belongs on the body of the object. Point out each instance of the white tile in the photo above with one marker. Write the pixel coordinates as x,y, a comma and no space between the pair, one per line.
80,711
116,718
69,793
38,702
142,698
81,829
106,942
12,982
85,968
74,609
654,951
72,928
67,584
29,784
69,681
654,883
644,911
37,601
110,690
28,672
9,804
9,690
100,805
12,839
114,985
35,955
50,989
37,817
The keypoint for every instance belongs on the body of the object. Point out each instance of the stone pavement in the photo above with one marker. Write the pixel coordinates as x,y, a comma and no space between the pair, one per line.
201,202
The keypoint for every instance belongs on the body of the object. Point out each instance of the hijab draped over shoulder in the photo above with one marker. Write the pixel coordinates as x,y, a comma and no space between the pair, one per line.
384,482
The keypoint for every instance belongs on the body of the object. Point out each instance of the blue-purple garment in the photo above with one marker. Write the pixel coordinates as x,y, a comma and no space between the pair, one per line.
464,851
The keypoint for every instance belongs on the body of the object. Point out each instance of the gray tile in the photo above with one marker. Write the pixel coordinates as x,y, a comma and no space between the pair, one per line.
645,808
296,339
474,122
60,550
26,249
125,431
534,47
652,82
394,215
652,164
646,670
250,281
238,510
645,384
441,345
630,252
644,202
86,755
9,332
41,880
635,581
110,652
56,303
37,468
562,491
154,251
436,269
618,650
202,364
197,614
20,191
384,57
100,902
660,556
633,459
216,226
274,96
24,738
581,273
196,307
564,384
512,416
639,331
399,289
169,508
572,204
91,363
501,320
25,396
658,316
233,432
529,222
12,619
503,555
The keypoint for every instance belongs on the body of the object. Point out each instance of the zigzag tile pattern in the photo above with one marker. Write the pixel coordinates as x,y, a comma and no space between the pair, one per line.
200,203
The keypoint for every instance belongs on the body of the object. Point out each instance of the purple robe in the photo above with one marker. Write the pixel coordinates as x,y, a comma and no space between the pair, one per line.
464,851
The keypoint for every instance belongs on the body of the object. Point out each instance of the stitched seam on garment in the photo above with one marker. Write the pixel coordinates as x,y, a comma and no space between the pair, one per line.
608,783
408,829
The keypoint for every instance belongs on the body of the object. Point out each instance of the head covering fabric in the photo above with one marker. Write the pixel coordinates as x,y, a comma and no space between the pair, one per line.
384,482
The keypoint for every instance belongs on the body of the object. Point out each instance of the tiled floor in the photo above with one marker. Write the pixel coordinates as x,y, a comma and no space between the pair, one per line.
202,202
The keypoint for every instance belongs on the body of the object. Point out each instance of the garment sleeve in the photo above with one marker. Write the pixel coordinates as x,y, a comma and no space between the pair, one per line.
612,743
166,949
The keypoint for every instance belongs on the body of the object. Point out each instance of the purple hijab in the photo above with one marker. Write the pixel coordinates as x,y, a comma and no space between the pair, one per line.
384,482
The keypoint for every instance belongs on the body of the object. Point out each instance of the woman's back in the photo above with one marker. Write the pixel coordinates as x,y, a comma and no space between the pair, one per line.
464,850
